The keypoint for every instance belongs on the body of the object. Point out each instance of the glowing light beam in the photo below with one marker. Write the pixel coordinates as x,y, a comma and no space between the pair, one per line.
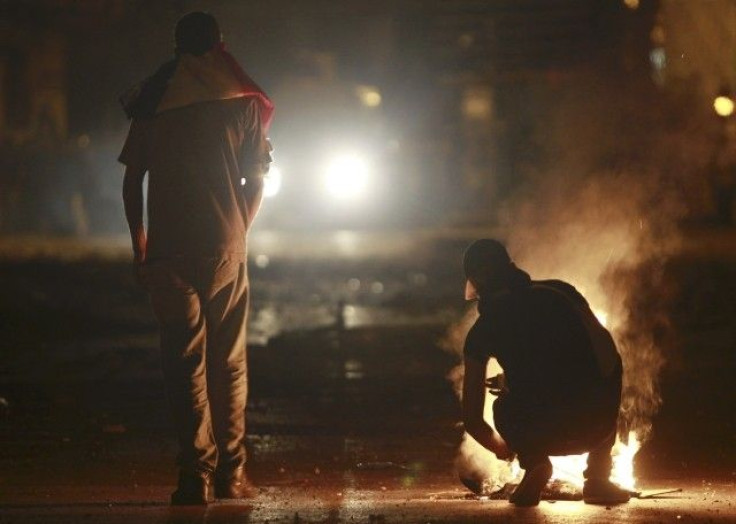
272,182
347,176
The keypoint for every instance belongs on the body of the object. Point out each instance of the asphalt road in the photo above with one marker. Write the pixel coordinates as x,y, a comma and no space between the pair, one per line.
351,416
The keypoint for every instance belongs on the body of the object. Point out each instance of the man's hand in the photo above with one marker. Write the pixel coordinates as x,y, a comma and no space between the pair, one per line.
497,385
139,256
474,398
140,244
253,191
500,448
133,201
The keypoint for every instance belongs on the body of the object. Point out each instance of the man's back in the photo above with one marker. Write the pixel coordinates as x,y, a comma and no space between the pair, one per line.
195,156
539,336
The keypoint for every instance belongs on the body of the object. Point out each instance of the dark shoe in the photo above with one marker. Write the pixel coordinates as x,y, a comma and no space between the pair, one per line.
194,489
605,492
529,490
234,485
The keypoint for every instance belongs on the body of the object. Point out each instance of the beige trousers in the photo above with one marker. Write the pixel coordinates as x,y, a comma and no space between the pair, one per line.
201,306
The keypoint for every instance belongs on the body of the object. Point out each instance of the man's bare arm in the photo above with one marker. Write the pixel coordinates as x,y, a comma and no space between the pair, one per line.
133,202
474,398
253,191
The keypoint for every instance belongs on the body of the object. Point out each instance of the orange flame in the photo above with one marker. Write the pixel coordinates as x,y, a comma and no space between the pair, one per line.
570,468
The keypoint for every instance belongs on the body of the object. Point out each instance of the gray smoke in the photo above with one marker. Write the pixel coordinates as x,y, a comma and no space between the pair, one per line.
609,236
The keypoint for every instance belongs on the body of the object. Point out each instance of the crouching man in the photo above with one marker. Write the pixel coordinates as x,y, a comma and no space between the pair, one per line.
562,375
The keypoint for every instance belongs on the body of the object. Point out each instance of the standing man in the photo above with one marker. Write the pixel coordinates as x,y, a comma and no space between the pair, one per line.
562,375
199,130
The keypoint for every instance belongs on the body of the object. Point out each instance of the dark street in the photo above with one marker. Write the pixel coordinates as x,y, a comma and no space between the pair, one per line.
349,420
336,261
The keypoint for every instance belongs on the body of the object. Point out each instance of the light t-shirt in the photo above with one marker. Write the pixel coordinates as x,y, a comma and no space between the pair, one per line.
198,158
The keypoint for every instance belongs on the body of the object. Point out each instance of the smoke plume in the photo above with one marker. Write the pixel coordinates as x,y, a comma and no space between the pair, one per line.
609,236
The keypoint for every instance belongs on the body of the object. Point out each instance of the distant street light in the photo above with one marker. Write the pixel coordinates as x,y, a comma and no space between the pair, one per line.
477,104
632,4
724,104
369,96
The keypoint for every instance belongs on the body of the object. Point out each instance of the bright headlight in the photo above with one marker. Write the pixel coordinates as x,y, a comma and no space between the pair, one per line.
272,182
347,176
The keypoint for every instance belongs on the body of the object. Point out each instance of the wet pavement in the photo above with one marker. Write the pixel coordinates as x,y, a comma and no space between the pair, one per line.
333,502
351,416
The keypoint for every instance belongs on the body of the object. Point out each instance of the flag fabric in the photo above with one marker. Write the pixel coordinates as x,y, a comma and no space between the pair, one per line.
190,79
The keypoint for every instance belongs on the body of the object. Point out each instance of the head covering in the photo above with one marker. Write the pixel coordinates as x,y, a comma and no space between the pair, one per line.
202,70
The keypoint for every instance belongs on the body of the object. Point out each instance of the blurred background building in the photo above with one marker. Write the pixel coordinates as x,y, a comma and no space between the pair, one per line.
695,45
389,114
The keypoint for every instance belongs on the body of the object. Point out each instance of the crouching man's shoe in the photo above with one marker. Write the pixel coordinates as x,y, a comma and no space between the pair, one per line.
234,485
598,491
194,489
529,490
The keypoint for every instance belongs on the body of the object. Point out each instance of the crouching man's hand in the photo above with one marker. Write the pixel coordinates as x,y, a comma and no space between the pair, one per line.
500,448
497,385
474,399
